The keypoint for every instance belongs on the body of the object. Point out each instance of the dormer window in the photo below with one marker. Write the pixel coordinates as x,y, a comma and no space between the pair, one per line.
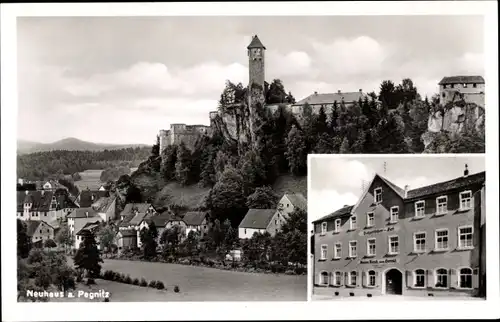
441,205
377,195
420,209
323,228
353,222
465,200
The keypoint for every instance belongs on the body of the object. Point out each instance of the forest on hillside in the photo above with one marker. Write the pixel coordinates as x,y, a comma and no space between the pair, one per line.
53,164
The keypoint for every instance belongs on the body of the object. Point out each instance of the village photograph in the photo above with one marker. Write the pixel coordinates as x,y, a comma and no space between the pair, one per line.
410,228
165,158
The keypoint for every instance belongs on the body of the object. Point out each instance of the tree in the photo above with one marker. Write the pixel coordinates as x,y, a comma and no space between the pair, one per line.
183,164
88,257
215,234
148,237
262,198
64,237
171,236
23,240
320,123
296,153
388,95
325,144
232,94
388,136
276,93
155,149
50,243
191,243
207,176
344,147
253,171
106,237
169,158
227,194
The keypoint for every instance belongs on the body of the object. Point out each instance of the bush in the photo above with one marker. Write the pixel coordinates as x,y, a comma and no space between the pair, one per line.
176,289
136,281
144,283
90,281
152,284
159,285
300,270
128,280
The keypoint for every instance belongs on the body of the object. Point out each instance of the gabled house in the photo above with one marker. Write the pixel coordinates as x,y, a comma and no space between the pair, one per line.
80,217
257,220
106,208
160,222
134,213
90,227
37,205
126,239
39,231
87,197
196,221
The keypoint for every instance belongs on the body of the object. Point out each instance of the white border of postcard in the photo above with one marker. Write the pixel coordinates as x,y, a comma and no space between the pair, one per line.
14,311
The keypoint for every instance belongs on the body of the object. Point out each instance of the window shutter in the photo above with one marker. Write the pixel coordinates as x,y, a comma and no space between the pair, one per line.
430,278
341,280
346,278
365,278
377,279
332,278
453,278
409,279
475,278
359,278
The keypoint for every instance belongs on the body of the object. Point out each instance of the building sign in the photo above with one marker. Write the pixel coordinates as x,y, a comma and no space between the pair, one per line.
379,261
376,231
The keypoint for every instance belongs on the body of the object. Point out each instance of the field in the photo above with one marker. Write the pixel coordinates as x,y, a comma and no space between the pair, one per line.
90,179
201,284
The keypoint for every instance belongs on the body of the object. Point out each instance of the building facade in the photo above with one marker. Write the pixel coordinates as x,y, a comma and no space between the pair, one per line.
423,242
471,87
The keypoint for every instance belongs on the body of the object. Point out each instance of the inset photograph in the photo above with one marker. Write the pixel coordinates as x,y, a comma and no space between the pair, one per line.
398,227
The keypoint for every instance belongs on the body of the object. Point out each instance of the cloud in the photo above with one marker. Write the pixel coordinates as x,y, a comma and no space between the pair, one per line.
324,202
295,63
339,174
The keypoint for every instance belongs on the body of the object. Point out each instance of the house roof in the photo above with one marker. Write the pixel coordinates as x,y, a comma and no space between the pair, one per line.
256,43
83,213
298,200
329,98
132,208
40,200
447,185
86,197
31,226
194,218
257,218
398,190
160,220
462,80
344,211
102,204
128,233
64,201
88,227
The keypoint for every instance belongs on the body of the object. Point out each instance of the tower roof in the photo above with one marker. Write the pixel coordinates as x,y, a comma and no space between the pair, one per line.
256,43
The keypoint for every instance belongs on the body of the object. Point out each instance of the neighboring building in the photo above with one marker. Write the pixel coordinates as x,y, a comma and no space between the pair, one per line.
160,222
134,213
37,205
480,212
424,241
39,231
80,217
196,221
471,87
291,202
53,185
126,239
257,221
90,227
106,208
87,197
182,133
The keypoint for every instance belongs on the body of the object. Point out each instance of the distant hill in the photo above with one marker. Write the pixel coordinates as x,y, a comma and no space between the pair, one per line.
69,144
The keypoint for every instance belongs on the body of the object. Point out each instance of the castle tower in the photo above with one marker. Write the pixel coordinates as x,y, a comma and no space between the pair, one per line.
256,59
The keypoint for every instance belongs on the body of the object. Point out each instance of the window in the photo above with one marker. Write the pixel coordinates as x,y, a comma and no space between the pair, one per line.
452,85
370,219
337,251
419,242
40,231
420,209
337,225
393,245
465,85
444,94
474,85
353,251
441,239
323,228
465,200
352,278
245,230
442,278
324,278
337,278
275,221
324,251
441,205
370,247
353,223
419,280
377,193
444,86
465,278
465,237
371,278
394,214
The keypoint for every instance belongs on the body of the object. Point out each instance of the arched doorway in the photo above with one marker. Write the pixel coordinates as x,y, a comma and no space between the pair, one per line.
394,282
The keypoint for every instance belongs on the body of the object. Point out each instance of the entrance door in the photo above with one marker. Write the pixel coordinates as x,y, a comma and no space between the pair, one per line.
394,282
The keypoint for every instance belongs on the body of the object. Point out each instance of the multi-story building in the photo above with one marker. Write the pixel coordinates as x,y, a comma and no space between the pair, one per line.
470,87
426,241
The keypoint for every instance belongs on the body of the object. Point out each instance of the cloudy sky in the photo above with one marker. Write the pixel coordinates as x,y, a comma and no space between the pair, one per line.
121,79
336,182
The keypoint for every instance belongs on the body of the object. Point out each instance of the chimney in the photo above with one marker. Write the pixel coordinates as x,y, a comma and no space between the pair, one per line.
466,171
339,91
87,214
361,90
315,93
407,187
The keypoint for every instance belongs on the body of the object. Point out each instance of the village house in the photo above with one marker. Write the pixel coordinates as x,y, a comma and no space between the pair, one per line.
196,221
133,216
471,87
87,197
80,217
106,208
257,221
160,222
126,239
178,221
37,205
423,242
39,231
90,227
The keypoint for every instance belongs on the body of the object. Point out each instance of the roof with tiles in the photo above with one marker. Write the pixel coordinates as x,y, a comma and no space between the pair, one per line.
257,218
330,98
88,197
102,204
256,43
298,200
160,220
40,200
462,80
344,211
456,183
87,212
194,218
91,226
128,233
